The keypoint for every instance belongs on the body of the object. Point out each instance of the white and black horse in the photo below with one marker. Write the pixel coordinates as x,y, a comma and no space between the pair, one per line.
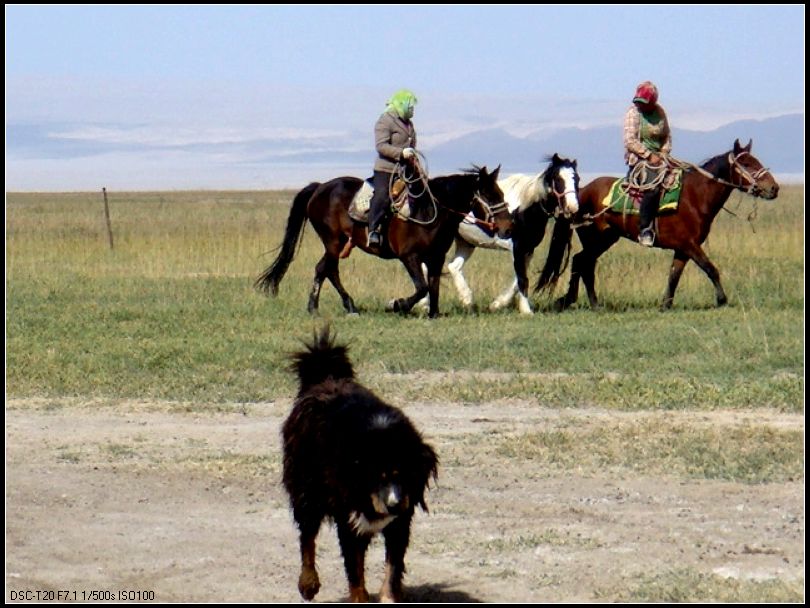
532,201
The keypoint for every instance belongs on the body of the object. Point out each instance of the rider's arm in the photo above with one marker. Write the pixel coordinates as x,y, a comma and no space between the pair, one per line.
382,139
632,140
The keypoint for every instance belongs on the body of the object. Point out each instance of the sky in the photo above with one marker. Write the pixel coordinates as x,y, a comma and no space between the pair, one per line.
232,97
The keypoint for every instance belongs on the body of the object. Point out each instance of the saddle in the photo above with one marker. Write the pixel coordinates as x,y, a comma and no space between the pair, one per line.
361,203
621,198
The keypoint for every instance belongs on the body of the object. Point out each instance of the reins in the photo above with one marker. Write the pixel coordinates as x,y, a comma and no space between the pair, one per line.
421,177
637,176
734,163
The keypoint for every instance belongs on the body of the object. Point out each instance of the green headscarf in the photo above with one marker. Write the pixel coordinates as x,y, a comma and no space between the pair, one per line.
402,102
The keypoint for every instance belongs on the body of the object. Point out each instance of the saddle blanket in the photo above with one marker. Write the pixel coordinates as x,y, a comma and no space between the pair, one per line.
620,199
358,208
361,203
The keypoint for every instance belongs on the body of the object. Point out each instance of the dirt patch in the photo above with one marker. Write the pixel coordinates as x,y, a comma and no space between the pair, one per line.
188,504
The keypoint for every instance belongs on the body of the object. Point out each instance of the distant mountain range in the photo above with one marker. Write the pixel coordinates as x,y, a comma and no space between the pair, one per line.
778,143
142,156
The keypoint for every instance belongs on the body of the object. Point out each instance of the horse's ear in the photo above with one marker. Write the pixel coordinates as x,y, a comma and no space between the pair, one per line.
748,147
556,159
737,147
574,164
495,173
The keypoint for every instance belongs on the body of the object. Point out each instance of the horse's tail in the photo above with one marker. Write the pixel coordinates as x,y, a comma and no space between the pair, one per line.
268,280
558,253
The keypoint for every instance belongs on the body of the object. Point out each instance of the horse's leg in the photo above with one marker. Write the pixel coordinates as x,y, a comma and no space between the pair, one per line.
701,259
333,273
602,242
521,257
679,261
505,298
317,283
414,267
522,261
434,282
424,303
583,266
462,253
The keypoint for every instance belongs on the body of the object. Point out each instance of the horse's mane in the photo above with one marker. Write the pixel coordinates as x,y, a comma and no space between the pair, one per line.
522,191
466,175
716,164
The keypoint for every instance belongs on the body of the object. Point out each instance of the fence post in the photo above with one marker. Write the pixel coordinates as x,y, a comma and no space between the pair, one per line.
107,216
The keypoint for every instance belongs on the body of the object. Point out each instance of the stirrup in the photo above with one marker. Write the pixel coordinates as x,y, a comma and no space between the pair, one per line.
374,238
646,237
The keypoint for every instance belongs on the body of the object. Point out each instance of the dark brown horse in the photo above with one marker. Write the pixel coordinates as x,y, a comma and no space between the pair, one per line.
425,238
704,192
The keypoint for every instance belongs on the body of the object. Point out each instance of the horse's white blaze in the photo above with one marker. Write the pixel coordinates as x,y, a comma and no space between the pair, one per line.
571,202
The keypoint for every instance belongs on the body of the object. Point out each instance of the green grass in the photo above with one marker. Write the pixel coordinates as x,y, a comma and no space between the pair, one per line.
170,313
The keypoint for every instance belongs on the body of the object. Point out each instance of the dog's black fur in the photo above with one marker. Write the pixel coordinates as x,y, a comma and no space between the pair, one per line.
355,459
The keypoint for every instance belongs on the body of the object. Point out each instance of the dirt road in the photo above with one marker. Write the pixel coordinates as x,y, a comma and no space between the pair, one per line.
186,503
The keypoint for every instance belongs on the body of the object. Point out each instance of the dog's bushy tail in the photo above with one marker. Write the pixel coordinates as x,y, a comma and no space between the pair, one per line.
322,359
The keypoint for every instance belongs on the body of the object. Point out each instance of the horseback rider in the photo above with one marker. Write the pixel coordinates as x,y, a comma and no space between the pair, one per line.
395,140
647,144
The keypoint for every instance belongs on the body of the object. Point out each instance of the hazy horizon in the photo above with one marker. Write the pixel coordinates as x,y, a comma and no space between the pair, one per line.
207,97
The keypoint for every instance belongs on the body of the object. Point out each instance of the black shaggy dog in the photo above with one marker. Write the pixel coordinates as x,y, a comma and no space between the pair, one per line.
355,459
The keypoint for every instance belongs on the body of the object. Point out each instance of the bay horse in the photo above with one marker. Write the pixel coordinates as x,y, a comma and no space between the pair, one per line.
425,237
705,190
532,200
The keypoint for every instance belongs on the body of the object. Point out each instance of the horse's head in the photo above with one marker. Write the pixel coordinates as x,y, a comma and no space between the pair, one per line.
748,174
562,180
488,204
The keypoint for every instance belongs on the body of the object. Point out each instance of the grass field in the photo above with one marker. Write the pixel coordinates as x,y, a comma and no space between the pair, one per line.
170,312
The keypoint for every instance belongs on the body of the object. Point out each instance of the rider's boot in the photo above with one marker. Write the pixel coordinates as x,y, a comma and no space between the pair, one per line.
647,213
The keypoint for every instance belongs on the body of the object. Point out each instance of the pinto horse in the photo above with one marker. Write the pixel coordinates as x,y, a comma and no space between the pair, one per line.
704,191
532,200
424,237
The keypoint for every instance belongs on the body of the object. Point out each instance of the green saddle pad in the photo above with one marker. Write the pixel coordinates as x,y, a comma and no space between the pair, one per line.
620,202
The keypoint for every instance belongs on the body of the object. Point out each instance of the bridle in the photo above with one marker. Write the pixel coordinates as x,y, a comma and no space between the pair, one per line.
744,173
751,180
559,209
490,211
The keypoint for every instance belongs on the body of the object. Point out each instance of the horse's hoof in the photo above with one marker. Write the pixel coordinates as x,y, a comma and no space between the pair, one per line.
559,305
392,306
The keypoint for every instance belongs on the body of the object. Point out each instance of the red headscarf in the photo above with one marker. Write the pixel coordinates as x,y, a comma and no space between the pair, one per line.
646,93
